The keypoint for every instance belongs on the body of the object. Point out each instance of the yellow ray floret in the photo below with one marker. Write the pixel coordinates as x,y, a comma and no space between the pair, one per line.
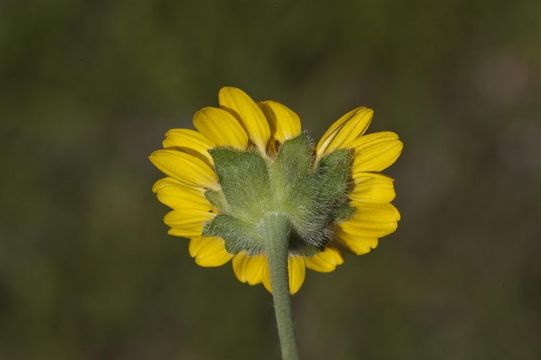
296,270
187,169
176,195
344,131
325,261
285,123
220,127
355,244
209,251
187,222
376,151
189,140
249,268
250,115
254,269
371,221
372,188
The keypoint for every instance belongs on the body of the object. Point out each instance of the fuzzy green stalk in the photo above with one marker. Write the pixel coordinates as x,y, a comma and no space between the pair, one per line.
276,229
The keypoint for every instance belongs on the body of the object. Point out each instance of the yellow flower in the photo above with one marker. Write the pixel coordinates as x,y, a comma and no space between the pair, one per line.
249,159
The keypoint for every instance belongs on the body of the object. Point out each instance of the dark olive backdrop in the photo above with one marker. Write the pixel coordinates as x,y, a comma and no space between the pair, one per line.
87,89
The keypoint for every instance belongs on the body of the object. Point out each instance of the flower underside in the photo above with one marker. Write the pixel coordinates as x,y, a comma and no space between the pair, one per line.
248,162
312,198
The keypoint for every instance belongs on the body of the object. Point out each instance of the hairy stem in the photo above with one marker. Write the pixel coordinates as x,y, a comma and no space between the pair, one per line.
276,230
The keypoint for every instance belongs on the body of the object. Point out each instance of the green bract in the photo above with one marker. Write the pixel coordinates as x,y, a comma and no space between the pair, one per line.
312,197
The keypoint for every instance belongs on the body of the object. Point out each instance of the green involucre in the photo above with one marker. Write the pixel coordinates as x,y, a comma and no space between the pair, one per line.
311,198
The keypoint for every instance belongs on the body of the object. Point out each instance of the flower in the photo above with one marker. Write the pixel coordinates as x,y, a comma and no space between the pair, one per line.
247,160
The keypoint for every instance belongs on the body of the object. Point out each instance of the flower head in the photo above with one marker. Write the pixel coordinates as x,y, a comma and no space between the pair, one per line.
248,161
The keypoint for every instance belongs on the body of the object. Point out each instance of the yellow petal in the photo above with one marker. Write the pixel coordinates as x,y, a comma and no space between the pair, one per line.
325,261
209,251
377,212
370,230
285,123
296,269
249,268
249,114
372,188
333,129
344,131
376,151
176,195
187,222
220,127
186,168
356,244
296,273
371,220
187,139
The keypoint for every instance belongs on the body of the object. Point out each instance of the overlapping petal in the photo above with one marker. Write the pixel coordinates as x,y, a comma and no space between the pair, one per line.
249,268
176,195
220,127
326,260
371,221
376,151
344,131
187,223
372,188
186,168
296,270
356,244
285,123
330,133
209,251
189,140
250,115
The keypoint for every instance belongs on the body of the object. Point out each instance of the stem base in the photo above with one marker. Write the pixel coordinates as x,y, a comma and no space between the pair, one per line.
277,229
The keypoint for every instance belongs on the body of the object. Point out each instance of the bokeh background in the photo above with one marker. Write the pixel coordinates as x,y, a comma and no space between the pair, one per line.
88,88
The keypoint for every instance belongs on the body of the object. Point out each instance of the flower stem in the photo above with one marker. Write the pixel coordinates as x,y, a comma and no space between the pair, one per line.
276,229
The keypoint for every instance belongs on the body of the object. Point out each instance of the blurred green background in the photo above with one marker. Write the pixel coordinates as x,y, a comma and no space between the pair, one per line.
88,88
